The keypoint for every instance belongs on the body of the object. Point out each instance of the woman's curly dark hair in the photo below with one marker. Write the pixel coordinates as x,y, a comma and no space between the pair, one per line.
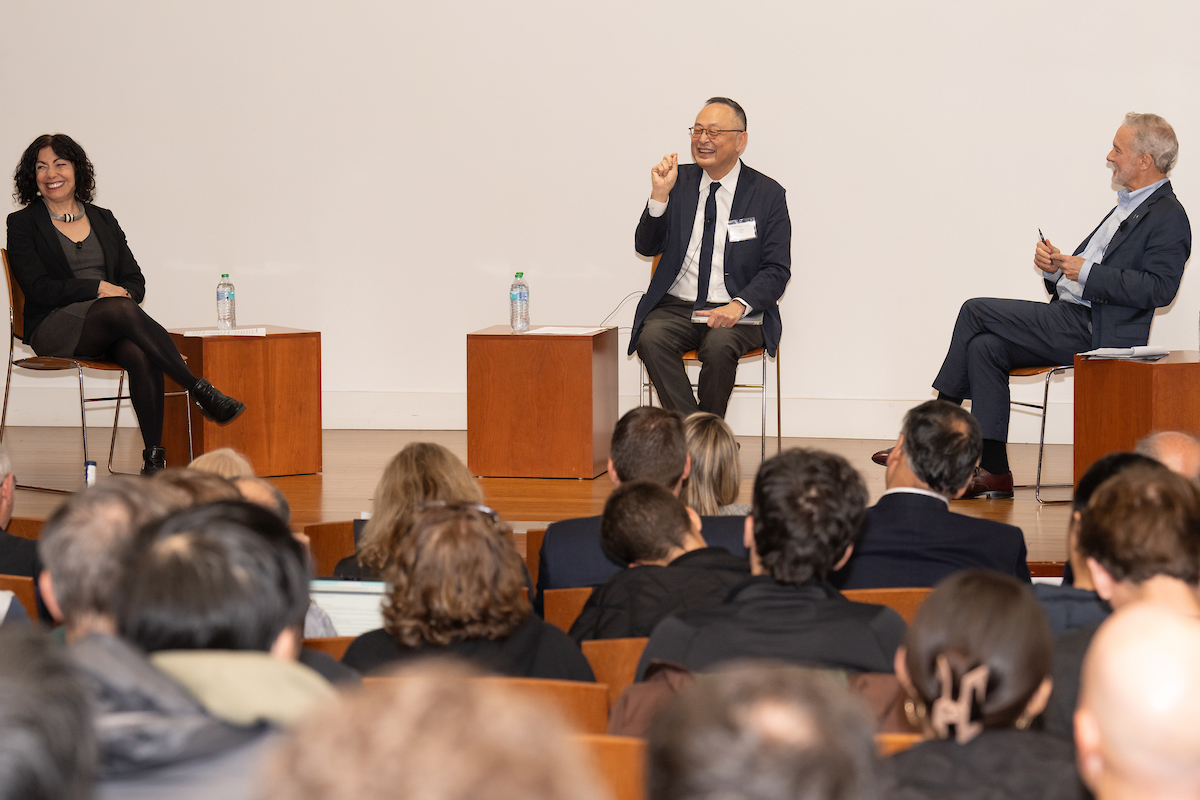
456,576
25,176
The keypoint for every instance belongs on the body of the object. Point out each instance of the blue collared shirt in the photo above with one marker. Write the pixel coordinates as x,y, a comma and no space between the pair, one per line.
1071,291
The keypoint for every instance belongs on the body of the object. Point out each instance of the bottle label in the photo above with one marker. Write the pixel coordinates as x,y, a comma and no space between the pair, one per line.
514,296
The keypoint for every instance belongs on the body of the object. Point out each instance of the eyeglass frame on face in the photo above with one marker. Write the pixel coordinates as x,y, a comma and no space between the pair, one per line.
713,134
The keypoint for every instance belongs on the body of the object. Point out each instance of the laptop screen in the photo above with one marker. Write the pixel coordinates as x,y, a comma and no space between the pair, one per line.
354,606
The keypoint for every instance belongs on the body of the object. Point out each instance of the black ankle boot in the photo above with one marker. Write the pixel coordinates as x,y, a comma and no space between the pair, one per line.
154,459
219,408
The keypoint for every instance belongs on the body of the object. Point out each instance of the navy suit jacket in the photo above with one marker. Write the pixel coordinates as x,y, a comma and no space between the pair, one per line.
757,269
572,557
1140,271
915,540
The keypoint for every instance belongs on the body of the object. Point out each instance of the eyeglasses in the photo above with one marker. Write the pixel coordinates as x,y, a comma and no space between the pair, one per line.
713,133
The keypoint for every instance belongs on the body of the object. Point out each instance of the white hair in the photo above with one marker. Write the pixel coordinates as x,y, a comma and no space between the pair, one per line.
1154,136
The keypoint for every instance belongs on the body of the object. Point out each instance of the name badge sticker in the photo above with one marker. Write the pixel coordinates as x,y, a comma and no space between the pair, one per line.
741,230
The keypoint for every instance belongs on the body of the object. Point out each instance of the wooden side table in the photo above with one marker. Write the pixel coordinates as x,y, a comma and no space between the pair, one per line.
1119,402
540,406
278,377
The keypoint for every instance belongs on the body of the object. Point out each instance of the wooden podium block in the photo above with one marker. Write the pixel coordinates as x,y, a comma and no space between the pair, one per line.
540,406
278,377
1119,402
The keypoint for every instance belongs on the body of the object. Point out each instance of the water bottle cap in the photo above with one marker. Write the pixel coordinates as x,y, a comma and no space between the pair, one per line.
224,274
520,274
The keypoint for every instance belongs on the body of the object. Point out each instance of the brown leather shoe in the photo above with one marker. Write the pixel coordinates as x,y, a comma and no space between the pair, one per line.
881,457
993,487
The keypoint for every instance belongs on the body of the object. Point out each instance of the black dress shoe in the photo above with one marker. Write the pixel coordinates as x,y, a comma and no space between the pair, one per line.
218,407
154,459
881,457
993,487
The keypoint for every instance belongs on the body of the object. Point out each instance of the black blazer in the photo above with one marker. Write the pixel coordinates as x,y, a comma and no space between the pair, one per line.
18,556
37,261
915,540
572,557
1140,271
756,269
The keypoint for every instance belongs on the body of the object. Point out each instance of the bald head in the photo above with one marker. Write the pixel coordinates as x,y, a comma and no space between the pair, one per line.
1136,725
1179,452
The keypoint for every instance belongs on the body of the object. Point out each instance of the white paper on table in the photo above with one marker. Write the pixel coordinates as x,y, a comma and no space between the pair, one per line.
228,332
1147,352
564,330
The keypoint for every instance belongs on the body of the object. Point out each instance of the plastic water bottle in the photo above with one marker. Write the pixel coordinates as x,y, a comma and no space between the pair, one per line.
518,297
226,304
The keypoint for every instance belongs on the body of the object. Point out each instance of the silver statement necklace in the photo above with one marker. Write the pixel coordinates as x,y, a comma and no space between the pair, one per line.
68,217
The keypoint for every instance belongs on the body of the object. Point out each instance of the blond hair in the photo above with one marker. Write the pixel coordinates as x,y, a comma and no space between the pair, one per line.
224,461
421,472
716,474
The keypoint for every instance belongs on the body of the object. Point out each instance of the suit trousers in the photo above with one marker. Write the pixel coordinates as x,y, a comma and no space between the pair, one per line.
993,336
668,333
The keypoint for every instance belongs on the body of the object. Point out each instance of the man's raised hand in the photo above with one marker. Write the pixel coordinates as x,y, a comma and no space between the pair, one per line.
662,177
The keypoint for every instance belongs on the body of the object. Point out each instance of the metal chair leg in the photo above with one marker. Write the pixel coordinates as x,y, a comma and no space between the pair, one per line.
1037,488
763,435
112,447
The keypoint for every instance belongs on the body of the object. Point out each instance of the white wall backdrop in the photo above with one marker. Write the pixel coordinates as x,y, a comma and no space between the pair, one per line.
378,170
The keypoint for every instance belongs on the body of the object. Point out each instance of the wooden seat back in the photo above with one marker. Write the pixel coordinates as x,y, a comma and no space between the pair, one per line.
335,646
614,662
533,551
585,705
890,743
330,543
25,527
561,607
621,762
16,299
904,601
22,587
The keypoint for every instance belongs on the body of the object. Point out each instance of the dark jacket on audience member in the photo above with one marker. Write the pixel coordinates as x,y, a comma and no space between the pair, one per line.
165,736
571,555
912,539
1068,608
18,556
636,599
1069,650
534,650
995,765
810,623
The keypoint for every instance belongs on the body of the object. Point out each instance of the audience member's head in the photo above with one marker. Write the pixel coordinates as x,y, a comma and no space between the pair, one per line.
201,487
644,523
8,488
224,461
1177,451
1135,729
648,444
808,510
763,732
1140,536
261,491
939,446
419,473
433,734
976,656
47,744
456,576
1101,470
716,474
222,576
87,540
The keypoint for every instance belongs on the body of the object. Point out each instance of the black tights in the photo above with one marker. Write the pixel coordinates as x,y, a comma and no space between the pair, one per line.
117,328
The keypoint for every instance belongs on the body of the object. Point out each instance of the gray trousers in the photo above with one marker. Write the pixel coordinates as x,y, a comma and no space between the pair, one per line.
668,333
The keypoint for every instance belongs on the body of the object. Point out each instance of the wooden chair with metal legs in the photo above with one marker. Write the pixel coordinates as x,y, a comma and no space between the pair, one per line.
647,392
16,330
1049,372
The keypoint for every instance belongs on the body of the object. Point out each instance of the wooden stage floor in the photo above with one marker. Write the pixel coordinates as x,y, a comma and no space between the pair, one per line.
354,460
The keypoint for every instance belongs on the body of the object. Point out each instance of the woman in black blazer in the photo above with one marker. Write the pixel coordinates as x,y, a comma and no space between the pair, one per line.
82,288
